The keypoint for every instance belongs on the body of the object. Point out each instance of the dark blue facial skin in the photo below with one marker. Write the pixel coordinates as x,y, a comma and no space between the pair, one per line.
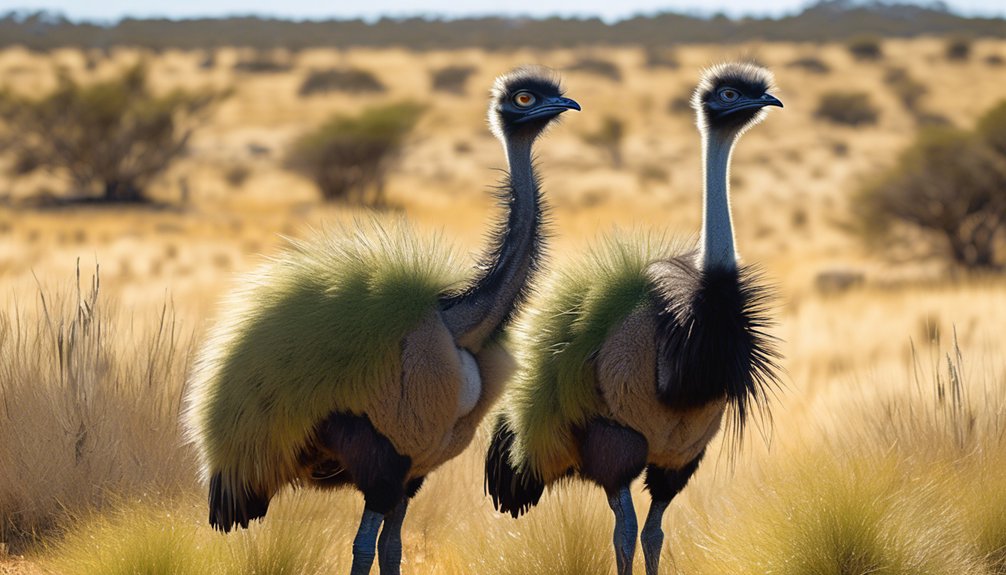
530,104
733,103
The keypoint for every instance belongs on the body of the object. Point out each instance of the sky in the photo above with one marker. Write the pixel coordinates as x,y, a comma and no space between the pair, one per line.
110,10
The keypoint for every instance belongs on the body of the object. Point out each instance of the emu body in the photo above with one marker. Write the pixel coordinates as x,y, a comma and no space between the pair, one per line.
634,354
364,358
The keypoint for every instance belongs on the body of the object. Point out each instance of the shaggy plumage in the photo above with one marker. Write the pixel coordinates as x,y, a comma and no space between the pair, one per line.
361,358
556,392
320,325
635,353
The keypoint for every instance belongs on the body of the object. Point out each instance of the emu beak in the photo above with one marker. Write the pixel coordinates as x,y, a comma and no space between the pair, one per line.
754,103
770,100
549,108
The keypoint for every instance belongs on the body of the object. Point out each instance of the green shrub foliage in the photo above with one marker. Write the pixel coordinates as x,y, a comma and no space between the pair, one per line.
111,138
950,186
349,157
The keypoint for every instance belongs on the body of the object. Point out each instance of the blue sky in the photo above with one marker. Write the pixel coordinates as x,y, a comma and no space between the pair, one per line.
371,9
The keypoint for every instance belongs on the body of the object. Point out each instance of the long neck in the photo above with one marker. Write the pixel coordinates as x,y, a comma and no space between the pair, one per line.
717,244
488,303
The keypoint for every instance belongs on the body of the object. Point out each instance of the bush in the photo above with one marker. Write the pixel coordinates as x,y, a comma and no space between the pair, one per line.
609,139
597,67
907,89
866,48
849,108
261,64
91,401
992,128
681,104
661,58
451,79
811,64
994,60
958,49
350,156
950,187
351,80
113,135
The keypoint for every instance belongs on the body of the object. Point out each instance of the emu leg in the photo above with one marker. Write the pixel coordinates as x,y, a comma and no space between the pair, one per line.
364,546
389,546
663,485
652,537
625,529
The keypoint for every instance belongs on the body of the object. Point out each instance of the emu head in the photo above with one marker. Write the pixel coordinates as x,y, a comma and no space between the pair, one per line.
732,97
525,101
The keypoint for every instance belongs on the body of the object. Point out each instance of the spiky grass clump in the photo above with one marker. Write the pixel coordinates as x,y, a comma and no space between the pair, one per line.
909,484
90,406
170,537
309,332
553,392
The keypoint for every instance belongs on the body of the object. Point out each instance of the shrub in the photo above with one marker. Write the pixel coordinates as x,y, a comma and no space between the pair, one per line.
958,49
994,60
866,48
113,135
992,128
237,174
261,64
811,64
350,80
451,79
350,156
681,104
597,67
849,108
91,403
208,60
950,187
907,89
661,58
609,139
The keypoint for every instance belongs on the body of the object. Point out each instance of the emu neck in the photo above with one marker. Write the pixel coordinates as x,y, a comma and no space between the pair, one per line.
718,252
483,309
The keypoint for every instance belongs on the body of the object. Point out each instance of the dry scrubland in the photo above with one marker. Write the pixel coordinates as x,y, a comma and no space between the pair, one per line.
888,449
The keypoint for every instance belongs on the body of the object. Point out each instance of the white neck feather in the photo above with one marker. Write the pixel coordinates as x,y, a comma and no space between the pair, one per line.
717,246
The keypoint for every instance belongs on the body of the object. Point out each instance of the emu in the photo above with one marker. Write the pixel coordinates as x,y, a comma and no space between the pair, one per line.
633,355
360,359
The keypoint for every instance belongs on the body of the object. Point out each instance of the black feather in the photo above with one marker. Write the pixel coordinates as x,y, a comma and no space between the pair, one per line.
492,265
513,491
712,337
229,508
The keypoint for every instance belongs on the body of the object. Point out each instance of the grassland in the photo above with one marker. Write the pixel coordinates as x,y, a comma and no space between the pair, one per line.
886,454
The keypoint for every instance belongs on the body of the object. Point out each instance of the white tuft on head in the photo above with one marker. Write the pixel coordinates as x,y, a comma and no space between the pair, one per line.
505,86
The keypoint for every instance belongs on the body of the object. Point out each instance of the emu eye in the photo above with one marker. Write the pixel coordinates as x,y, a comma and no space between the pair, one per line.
524,99
729,95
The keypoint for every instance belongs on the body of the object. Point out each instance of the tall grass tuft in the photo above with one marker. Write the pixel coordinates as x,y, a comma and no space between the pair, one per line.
88,407
909,483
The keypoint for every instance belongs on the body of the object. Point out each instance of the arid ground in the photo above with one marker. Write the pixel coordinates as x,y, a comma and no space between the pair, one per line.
885,453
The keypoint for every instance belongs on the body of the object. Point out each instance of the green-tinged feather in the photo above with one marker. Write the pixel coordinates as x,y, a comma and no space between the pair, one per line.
310,331
555,391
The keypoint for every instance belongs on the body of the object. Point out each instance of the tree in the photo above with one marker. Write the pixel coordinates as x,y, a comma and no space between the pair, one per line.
348,157
992,128
608,137
949,185
110,138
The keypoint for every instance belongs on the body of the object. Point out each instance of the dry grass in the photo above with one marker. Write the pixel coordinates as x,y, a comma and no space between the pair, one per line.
90,408
866,470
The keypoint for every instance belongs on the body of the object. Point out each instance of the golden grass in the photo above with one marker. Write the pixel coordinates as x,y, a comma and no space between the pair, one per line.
90,408
867,472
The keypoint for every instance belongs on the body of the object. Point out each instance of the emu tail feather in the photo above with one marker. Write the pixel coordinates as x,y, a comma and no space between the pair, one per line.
229,507
513,491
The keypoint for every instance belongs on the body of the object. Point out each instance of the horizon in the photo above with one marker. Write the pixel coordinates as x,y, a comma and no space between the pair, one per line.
111,11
